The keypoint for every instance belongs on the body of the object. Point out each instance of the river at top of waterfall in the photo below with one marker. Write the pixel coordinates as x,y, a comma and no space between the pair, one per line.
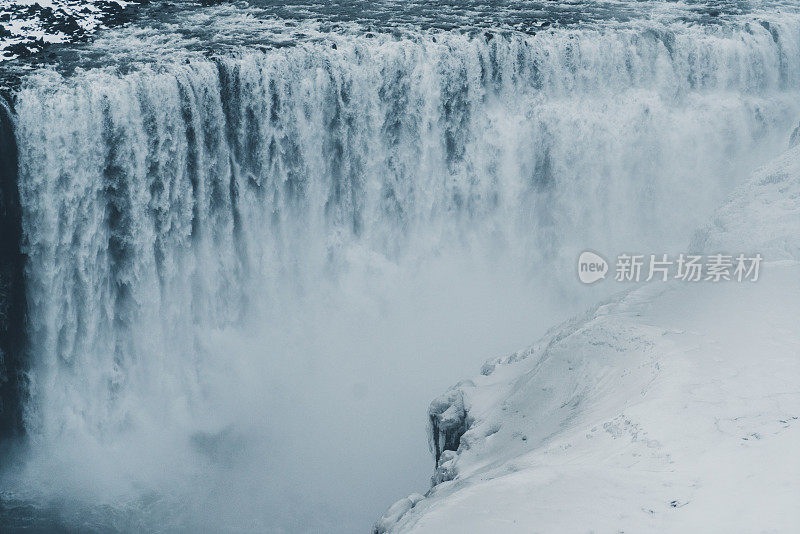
259,238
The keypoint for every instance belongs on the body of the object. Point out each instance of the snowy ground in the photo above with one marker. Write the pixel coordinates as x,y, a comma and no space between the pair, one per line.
674,407
26,26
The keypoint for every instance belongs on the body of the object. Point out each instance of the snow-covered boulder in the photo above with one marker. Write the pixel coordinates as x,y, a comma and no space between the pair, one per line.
395,512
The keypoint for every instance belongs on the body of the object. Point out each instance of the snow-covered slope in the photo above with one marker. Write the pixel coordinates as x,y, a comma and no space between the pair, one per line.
674,407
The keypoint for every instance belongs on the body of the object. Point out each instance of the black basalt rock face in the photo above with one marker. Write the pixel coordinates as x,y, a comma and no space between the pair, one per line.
12,285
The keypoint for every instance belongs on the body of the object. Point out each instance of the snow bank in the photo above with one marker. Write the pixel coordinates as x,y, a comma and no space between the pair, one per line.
673,407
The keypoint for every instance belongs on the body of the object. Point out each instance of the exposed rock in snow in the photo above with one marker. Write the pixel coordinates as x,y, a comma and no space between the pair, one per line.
448,421
673,407
26,26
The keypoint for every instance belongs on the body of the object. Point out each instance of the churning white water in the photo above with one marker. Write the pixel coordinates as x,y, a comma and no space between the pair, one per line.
247,273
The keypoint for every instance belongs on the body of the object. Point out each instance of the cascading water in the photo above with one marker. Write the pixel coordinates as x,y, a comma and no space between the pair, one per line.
241,267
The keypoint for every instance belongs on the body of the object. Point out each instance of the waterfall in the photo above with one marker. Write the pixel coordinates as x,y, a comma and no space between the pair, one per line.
174,212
